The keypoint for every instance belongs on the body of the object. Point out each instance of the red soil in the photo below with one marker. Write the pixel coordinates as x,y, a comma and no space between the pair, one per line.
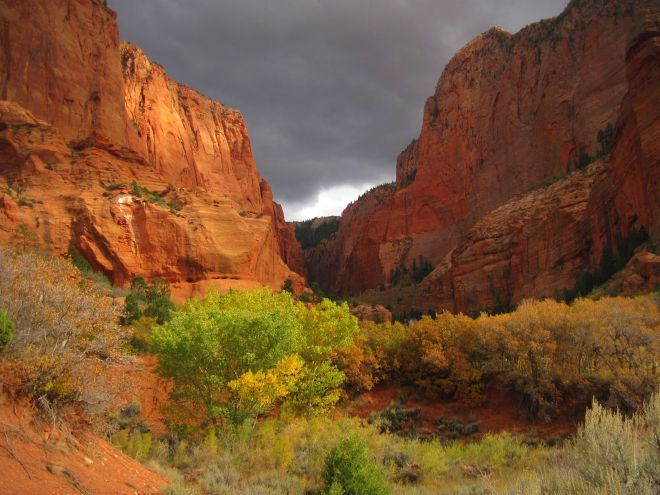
63,458
498,413
138,380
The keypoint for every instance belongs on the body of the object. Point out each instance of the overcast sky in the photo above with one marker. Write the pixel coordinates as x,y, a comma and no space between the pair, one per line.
332,90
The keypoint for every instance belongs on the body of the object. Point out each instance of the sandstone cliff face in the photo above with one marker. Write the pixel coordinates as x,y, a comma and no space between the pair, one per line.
511,113
532,246
191,141
60,60
84,117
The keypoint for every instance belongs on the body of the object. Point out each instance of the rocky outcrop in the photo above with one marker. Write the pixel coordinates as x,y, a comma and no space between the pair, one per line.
641,275
377,313
350,260
100,149
510,115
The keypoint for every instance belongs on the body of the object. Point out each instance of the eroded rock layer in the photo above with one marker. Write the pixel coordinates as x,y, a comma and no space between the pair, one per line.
101,150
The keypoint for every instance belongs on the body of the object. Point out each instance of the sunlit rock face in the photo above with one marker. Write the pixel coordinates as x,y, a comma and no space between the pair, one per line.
85,116
537,150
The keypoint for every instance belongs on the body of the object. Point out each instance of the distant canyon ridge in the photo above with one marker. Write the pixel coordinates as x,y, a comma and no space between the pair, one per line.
539,154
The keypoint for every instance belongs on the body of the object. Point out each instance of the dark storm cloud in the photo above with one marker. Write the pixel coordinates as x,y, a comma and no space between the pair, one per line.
331,90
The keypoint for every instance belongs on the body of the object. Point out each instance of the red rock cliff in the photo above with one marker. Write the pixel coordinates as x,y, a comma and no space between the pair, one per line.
85,116
510,114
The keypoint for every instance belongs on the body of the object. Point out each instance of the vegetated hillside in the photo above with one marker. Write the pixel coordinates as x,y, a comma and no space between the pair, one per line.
310,233
538,153
101,150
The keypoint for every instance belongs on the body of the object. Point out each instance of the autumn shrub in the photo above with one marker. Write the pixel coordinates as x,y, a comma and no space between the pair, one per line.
64,332
235,356
374,355
549,353
440,356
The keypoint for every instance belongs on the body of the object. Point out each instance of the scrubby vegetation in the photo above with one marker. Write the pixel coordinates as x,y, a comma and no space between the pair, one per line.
256,378
151,300
612,260
379,192
550,353
62,327
154,197
611,453
6,329
409,178
402,276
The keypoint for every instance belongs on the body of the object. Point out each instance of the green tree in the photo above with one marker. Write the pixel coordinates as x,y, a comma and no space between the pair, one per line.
139,287
318,391
219,338
132,311
214,340
152,300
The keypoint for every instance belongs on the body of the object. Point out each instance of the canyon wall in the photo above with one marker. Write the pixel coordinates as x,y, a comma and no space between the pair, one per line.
101,150
536,151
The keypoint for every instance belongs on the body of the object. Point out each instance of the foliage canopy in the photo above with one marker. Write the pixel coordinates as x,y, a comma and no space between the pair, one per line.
241,340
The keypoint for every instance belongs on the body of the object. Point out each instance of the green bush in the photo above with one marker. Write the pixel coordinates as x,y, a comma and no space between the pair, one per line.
398,419
132,310
154,197
350,471
152,300
6,329
159,305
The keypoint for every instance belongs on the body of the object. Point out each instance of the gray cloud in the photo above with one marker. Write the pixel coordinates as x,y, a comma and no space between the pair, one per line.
332,90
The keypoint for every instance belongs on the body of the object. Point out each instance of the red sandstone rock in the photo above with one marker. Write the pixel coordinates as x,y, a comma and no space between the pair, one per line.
82,111
642,274
377,313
